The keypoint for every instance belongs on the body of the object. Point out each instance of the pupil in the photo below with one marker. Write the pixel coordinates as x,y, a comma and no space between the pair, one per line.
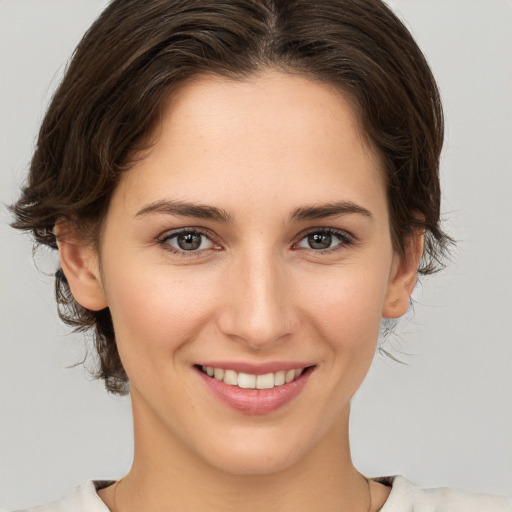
189,241
320,240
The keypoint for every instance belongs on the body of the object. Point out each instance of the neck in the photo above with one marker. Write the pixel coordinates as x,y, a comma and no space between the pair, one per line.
165,476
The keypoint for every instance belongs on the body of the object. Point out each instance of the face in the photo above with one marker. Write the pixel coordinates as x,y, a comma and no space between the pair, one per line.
251,240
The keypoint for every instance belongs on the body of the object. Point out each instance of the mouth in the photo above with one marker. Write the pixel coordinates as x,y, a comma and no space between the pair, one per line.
254,381
254,393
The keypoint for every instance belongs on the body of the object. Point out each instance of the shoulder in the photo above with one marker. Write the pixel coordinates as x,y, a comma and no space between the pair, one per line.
404,497
83,498
408,497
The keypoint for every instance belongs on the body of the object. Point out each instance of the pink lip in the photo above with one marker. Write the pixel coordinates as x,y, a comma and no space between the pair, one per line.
255,401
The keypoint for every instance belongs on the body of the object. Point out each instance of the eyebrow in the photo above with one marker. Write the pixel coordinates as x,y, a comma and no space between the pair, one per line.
322,211
201,211
186,209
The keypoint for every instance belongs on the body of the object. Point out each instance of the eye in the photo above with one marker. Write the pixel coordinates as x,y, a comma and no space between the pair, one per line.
324,239
187,240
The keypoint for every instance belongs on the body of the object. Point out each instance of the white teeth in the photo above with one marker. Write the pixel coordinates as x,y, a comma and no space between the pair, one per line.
231,377
279,378
249,381
290,375
265,381
246,381
218,373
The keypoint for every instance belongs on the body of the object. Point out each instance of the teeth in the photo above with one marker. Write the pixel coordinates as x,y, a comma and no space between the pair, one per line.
290,375
249,381
246,381
231,377
265,381
279,378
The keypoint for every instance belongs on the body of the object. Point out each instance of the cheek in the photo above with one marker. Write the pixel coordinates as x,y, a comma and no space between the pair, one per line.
345,319
346,303
155,313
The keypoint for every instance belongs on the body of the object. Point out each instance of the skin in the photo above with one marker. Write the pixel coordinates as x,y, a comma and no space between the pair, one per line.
257,149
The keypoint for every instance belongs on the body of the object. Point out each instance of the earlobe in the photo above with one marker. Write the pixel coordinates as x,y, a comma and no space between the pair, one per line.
80,264
403,276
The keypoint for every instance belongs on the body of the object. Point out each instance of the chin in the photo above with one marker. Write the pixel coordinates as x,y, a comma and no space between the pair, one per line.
258,457
254,463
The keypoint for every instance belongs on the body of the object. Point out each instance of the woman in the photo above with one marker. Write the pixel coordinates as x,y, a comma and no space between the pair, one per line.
239,193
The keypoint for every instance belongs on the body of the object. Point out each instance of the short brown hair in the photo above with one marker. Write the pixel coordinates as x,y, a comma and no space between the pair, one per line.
137,53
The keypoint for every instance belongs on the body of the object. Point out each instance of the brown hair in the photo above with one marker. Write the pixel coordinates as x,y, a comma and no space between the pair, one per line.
136,53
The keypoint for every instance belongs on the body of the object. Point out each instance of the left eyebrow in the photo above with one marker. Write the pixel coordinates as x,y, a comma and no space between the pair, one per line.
186,209
329,210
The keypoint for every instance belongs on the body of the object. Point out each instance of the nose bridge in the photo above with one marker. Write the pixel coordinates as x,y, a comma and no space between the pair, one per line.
258,311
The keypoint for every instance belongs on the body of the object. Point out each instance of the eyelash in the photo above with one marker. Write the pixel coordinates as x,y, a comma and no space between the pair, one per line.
345,240
164,239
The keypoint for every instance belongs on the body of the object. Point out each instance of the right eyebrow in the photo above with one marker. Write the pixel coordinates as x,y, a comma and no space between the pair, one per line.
186,209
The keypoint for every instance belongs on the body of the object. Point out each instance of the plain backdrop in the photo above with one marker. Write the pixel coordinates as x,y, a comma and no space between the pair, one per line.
443,418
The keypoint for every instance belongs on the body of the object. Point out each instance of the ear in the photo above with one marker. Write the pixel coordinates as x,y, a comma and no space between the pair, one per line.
80,264
403,276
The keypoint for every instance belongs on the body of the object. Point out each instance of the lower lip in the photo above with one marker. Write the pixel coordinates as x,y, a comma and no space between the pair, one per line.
256,401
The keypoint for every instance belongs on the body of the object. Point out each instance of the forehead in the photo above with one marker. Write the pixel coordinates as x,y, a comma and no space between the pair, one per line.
267,137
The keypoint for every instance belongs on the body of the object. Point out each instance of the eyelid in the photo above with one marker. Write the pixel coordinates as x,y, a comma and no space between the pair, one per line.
345,237
164,237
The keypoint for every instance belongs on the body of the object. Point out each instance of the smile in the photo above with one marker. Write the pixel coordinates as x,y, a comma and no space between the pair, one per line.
255,389
251,381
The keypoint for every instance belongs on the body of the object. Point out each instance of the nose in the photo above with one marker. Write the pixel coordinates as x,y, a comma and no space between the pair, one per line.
257,307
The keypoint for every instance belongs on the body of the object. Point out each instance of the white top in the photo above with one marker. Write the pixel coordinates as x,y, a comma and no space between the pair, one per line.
404,497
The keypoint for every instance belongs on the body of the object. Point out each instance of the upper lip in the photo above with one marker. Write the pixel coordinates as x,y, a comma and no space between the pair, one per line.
257,368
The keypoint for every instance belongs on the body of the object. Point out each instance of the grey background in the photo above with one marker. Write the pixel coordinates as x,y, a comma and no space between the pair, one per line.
445,418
